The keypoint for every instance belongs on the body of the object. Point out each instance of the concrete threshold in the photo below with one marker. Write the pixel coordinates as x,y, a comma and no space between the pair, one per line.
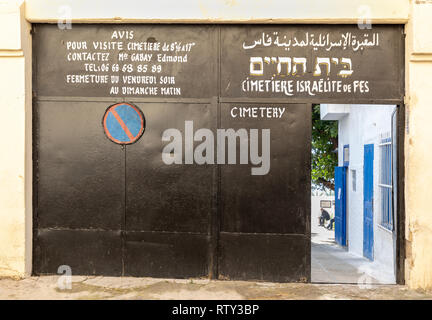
53,287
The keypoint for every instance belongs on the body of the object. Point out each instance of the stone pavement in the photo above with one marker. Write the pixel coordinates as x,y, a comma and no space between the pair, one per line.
46,287
333,264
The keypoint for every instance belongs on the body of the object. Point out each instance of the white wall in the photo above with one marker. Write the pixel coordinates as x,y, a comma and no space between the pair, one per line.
363,125
316,208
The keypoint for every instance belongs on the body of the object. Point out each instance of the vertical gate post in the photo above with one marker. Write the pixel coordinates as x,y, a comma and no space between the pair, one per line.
418,136
15,145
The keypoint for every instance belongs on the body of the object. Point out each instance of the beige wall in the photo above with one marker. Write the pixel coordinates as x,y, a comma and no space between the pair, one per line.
15,145
15,96
251,11
418,151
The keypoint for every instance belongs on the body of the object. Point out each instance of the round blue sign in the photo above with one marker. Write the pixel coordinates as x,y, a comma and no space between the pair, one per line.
123,123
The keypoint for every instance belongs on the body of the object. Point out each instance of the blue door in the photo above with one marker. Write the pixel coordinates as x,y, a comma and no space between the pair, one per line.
368,241
340,205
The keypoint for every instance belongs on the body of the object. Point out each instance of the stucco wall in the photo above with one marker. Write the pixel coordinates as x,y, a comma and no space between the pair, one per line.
415,13
15,158
204,11
418,154
316,207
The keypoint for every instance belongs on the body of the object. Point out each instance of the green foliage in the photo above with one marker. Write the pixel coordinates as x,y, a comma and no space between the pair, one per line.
324,150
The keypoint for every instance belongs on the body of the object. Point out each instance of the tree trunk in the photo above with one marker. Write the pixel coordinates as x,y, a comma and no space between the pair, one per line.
327,184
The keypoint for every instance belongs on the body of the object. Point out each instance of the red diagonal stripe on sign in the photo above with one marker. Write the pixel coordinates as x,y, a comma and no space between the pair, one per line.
122,124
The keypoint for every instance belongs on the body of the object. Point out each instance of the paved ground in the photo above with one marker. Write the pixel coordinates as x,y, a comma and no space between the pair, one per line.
330,264
148,288
333,264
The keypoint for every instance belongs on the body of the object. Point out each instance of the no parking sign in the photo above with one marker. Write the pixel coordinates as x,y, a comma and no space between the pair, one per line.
123,123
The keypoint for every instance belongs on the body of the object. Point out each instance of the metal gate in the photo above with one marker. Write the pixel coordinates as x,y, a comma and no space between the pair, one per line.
111,208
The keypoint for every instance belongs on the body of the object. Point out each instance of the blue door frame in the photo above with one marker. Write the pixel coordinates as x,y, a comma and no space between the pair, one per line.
340,205
368,235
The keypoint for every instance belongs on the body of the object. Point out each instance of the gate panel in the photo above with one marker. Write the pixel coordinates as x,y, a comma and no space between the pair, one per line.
80,198
175,197
269,257
168,207
290,62
281,191
196,47
86,252
166,254
157,223
269,213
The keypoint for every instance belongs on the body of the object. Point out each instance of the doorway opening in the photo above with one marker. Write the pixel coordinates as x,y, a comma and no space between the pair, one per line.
354,200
